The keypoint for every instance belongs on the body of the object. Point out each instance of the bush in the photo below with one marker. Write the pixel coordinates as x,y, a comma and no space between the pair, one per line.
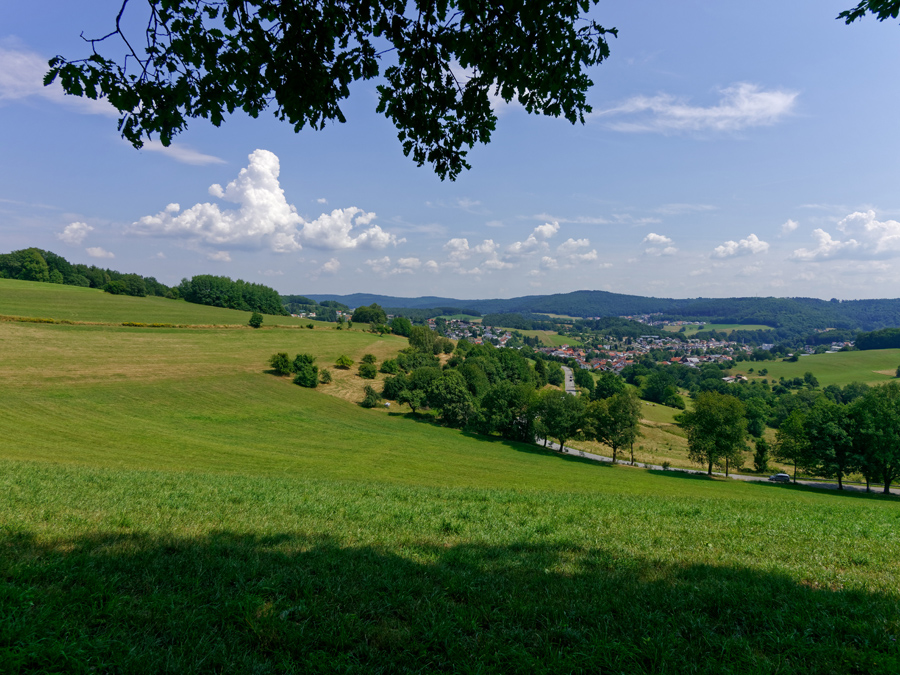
389,367
281,364
310,326
256,320
371,398
393,386
307,376
343,362
367,371
368,358
325,376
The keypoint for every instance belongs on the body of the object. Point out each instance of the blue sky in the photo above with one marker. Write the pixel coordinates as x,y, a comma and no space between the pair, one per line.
735,149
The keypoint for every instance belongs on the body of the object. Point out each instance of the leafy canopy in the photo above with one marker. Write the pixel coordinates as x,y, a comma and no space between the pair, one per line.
439,62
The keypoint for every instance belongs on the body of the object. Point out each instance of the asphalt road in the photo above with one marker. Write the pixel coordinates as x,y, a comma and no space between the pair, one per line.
570,380
759,479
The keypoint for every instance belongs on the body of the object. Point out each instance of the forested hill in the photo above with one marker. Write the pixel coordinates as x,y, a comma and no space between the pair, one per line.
797,314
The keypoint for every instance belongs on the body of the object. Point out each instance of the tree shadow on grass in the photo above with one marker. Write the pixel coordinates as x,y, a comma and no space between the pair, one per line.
676,473
831,492
230,602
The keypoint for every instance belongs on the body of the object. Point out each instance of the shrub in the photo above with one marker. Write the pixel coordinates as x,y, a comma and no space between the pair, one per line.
371,398
325,376
343,362
307,376
302,360
310,326
368,358
281,364
367,371
389,367
393,386
256,320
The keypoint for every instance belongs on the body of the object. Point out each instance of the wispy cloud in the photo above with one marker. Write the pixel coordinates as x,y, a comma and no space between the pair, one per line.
97,252
22,77
740,106
182,153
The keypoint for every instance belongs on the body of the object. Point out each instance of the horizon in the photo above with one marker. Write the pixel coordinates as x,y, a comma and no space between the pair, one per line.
708,168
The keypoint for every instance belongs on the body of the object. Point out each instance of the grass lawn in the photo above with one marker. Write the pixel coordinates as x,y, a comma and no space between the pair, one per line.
169,506
875,366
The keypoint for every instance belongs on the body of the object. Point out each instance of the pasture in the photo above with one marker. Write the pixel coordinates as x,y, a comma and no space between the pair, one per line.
170,506
718,327
71,303
875,366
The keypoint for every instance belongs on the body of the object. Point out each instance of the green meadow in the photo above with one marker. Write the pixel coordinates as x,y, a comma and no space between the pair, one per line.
718,327
70,303
169,506
874,366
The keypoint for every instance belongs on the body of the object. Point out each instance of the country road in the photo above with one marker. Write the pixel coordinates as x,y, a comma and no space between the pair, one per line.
570,380
757,479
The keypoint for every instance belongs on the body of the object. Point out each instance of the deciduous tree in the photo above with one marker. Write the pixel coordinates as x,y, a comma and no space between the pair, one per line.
614,421
440,63
716,429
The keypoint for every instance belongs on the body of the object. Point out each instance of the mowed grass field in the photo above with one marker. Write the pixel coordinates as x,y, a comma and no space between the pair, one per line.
169,506
70,303
875,366
718,327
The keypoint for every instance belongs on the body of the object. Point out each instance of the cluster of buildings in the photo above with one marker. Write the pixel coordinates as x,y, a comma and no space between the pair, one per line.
700,351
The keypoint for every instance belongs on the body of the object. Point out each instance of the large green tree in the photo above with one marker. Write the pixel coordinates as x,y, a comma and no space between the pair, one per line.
877,429
829,432
561,415
614,421
716,430
438,63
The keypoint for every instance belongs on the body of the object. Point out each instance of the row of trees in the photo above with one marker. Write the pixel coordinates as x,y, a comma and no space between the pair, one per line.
834,439
207,289
34,264
828,439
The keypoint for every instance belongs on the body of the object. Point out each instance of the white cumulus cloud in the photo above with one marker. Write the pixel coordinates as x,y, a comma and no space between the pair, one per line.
788,227
536,240
219,256
741,106
264,218
97,252
659,245
749,246
865,238
75,233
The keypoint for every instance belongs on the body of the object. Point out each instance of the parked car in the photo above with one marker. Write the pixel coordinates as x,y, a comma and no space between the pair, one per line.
780,478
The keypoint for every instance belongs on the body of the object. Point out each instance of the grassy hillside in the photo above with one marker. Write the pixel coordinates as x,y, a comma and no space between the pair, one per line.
169,506
872,367
33,299
718,327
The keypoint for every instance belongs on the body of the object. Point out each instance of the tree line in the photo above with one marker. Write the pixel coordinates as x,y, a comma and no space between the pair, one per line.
34,264
218,291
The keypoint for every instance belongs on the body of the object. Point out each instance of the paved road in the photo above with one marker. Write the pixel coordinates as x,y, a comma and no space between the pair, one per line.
570,381
762,479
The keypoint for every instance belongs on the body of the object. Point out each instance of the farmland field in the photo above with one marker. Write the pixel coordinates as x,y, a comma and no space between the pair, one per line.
70,303
718,327
170,506
875,366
